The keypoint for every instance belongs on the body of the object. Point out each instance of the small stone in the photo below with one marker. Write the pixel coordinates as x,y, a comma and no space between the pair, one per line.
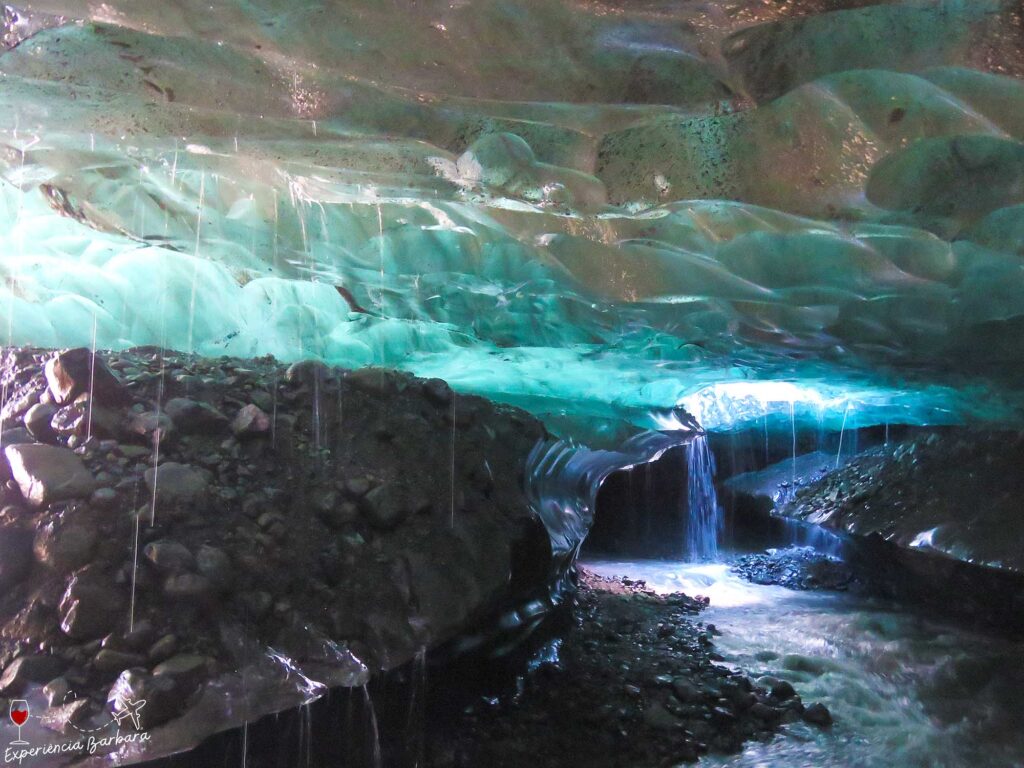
251,421
163,648
386,506
194,415
187,670
37,422
357,487
188,586
306,372
169,556
103,498
818,714
115,661
215,565
48,473
151,426
686,691
656,716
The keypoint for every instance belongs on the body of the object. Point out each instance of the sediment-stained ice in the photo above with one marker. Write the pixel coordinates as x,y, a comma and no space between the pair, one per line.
592,214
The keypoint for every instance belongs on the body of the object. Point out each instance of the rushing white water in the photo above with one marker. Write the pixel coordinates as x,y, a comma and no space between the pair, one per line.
704,525
905,691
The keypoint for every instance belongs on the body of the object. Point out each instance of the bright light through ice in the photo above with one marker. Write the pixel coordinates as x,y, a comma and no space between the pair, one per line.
730,403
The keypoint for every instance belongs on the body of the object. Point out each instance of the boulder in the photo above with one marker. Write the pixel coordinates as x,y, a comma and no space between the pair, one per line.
28,669
48,473
65,546
78,371
90,607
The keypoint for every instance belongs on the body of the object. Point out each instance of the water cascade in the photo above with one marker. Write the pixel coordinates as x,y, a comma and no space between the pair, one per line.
705,516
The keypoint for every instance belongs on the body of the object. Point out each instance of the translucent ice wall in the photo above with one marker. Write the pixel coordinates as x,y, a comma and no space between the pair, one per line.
591,210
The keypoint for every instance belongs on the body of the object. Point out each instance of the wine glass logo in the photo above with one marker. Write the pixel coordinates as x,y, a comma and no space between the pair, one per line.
19,716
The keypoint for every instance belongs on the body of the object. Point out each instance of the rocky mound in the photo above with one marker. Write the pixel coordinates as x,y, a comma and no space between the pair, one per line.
632,682
957,494
222,538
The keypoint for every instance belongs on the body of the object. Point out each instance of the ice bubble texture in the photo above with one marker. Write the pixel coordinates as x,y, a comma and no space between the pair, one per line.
590,214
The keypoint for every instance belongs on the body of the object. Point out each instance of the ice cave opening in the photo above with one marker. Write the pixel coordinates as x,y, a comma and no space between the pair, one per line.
699,321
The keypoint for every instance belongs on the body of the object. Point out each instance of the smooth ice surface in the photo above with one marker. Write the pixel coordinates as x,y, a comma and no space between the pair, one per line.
587,213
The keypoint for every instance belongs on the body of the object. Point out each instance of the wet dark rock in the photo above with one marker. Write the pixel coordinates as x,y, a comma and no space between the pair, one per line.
90,607
108,660
306,372
438,391
250,422
163,649
188,586
169,556
48,473
656,716
28,669
37,422
164,700
783,691
358,486
103,498
215,565
15,556
66,718
256,604
79,371
818,714
65,545
387,505
188,671
150,426
194,415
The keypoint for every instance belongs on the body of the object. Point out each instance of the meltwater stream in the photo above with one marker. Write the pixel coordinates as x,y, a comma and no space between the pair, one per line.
904,690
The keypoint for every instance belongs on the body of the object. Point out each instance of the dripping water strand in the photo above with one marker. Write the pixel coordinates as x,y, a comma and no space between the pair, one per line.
842,431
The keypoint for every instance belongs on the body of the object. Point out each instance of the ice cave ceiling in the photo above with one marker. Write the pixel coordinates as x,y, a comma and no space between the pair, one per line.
590,209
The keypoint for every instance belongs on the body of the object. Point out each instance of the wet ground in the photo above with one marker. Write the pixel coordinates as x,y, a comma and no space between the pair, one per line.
904,690
635,680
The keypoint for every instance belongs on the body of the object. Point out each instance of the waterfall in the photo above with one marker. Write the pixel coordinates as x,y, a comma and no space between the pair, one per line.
705,523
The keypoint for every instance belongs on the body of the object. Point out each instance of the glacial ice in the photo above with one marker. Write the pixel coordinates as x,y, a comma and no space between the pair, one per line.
589,215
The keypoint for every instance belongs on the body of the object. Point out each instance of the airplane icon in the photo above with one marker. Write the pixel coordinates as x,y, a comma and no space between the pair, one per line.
131,711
